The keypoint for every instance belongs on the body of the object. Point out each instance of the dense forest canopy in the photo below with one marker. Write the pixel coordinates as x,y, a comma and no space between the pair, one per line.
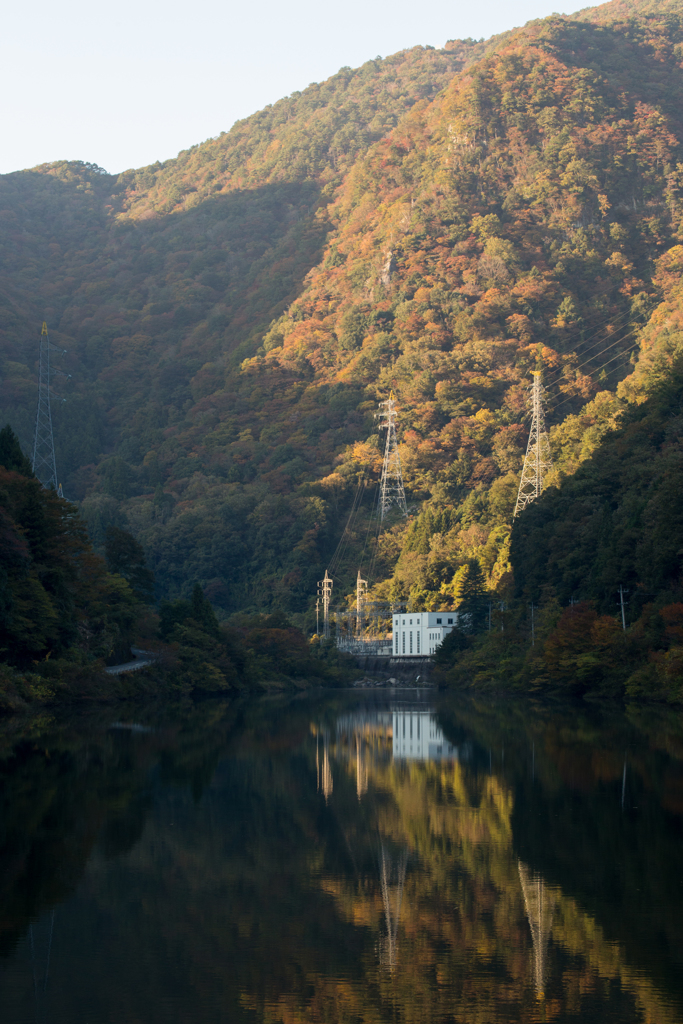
439,223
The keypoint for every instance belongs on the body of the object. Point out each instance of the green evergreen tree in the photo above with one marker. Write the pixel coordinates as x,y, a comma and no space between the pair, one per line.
11,455
126,557
471,595
202,612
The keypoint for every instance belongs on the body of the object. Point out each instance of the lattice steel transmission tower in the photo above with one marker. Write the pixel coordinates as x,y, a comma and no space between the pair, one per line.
325,592
44,465
391,491
538,460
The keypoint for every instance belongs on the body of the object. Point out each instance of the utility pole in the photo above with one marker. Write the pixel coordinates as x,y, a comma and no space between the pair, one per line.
622,602
538,460
361,594
317,616
391,490
325,592
44,465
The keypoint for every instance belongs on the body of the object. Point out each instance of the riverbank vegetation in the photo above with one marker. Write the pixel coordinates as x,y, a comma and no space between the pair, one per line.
65,613
610,532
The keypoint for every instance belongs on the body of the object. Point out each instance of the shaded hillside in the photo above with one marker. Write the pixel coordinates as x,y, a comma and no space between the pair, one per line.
433,223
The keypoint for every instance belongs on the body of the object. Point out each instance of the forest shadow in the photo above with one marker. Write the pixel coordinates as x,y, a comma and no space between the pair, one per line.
614,55
597,812
141,305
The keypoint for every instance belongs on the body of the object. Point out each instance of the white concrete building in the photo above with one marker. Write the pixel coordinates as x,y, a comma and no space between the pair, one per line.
418,634
417,735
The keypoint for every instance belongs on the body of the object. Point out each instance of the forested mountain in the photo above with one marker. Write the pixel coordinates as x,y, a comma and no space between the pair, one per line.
438,223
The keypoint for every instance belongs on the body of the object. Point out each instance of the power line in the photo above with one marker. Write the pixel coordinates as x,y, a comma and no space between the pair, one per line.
628,333
344,539
597,355
619,355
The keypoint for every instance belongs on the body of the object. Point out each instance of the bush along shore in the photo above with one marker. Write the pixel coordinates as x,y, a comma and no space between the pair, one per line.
66,613
593,602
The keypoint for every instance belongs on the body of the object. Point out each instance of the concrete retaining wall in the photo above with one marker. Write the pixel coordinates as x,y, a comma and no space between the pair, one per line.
403,670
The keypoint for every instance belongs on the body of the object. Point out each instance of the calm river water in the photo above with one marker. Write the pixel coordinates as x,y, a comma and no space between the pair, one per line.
342,857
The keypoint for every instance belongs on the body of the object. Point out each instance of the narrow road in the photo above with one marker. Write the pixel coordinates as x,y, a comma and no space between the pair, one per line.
142,658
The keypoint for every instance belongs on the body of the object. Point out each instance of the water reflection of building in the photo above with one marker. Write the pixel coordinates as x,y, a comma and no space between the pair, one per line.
370,737
413,730
418,736
539,903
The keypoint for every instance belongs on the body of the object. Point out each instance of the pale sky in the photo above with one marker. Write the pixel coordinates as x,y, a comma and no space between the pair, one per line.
126,84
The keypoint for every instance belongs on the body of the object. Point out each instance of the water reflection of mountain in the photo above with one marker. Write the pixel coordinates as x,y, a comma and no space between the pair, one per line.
212,878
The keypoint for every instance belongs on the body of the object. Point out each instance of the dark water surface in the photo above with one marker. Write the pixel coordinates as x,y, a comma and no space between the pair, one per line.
382,856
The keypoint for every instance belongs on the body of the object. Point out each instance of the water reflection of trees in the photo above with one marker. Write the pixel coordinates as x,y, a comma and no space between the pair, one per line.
392,873
472,913
539,903
395,895
68,786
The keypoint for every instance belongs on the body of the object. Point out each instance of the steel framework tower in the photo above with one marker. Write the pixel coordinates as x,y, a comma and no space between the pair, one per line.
325,592
538,459
391,491
44,465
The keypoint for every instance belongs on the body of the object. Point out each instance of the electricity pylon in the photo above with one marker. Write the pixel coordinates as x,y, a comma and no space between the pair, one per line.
361,595
391,491
325,592
538,460
44,464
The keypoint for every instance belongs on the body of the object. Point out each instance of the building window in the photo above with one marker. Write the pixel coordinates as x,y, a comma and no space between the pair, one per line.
438,622
396,642
404,641
418,641
450,622
411,641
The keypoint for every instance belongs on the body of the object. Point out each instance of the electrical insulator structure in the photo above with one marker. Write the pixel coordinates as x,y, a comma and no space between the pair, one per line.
325,594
